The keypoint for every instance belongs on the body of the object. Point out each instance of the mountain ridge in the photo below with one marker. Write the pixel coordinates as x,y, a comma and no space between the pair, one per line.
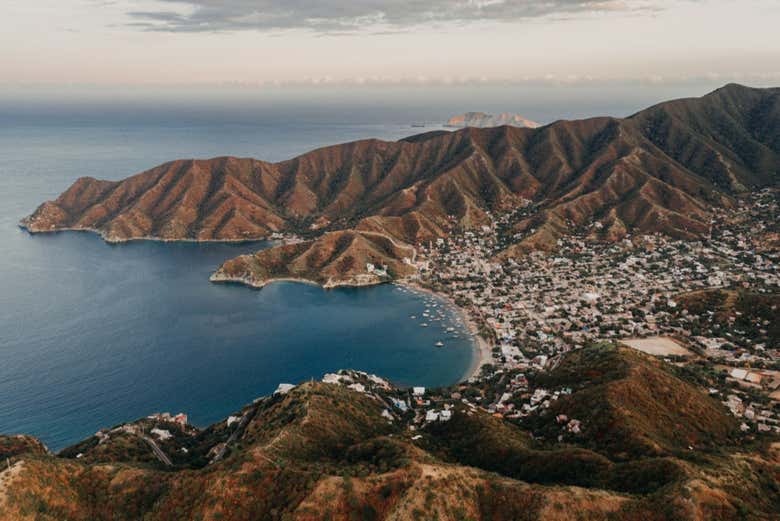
661,170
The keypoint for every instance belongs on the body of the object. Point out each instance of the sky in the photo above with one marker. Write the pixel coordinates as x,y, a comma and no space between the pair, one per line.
368,42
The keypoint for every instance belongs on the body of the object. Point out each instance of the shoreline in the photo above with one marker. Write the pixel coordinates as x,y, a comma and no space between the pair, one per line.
482,351
115,241
240,281
218,278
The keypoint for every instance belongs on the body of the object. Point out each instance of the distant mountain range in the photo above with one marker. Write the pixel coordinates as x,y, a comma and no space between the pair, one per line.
483,120
661,170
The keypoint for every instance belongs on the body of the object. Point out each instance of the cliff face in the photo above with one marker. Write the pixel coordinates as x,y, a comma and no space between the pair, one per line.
661,170
325,451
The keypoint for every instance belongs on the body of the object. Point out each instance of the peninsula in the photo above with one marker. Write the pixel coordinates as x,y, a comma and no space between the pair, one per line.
663,170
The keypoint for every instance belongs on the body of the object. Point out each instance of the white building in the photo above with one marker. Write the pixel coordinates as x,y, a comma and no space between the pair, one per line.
357,387
161,433
331,378
284,388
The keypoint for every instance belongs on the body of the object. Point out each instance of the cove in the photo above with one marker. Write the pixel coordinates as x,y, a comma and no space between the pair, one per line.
98,334
93,334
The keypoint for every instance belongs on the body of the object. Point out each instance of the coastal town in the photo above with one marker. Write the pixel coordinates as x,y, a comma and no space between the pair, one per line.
633,292
708,306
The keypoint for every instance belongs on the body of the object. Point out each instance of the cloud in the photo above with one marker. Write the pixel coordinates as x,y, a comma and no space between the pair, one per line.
338,16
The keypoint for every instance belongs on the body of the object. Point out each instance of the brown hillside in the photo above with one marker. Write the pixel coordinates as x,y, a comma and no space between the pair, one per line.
660,170
632,406
323,451
11,446
335,259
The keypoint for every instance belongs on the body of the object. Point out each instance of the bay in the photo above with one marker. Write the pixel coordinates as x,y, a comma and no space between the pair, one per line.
93,334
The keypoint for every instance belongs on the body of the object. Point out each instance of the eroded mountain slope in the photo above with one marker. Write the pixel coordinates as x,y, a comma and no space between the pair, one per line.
326,451
660,170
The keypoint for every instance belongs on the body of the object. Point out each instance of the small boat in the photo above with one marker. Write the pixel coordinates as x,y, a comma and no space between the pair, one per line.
439,344
424,324
413,317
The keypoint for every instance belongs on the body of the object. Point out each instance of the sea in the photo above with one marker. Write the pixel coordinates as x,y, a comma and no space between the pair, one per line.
93,334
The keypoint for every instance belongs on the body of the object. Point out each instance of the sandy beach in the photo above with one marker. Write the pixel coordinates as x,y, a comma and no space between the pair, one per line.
482,350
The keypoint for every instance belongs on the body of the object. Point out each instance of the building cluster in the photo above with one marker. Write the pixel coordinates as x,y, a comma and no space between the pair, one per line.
179,419
285,238
754,415
547,303
534,308
416,405
506,394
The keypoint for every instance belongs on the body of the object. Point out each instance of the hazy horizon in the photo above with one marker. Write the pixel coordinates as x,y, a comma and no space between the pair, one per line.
370,105
364,42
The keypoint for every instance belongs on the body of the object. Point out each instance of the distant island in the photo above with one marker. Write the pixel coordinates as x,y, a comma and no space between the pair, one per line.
485,120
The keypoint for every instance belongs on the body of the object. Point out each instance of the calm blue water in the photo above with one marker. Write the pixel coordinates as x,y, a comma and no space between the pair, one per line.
93,334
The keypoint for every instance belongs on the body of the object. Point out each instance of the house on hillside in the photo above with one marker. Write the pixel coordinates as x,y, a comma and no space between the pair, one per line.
284,389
